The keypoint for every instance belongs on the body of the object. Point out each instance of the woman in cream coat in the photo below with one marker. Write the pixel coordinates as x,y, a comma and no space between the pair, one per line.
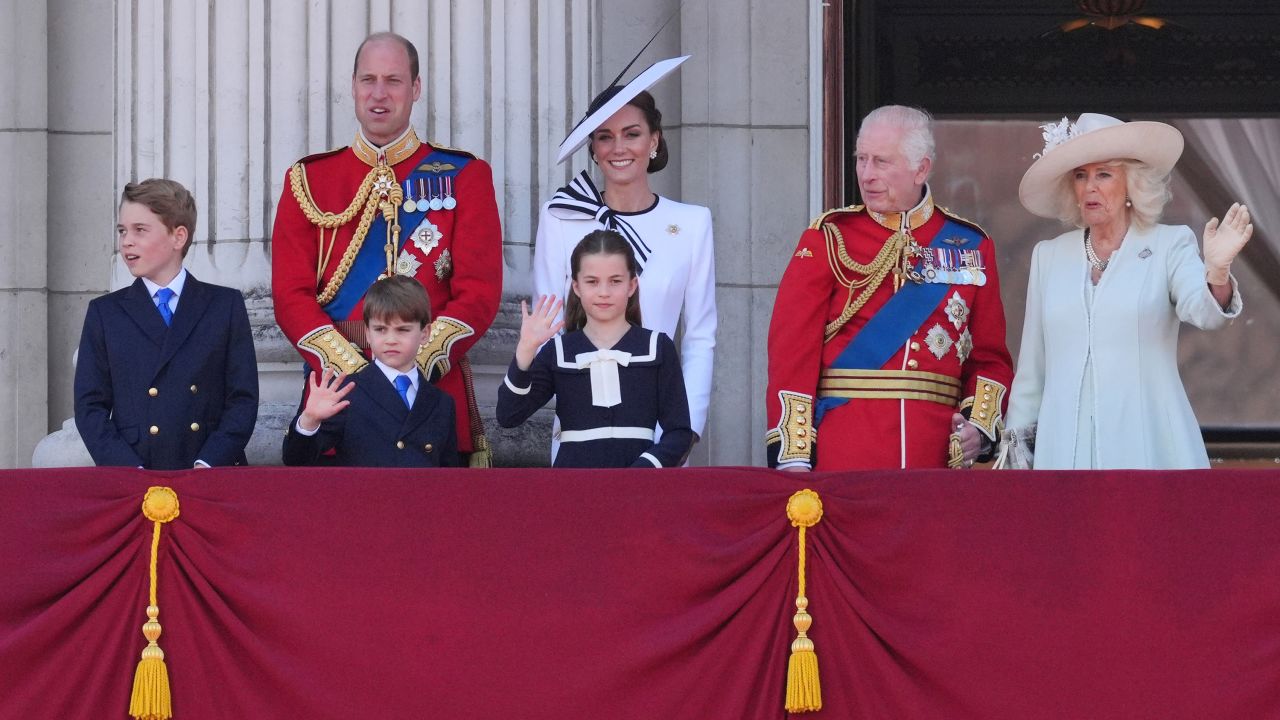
672,241
1097,382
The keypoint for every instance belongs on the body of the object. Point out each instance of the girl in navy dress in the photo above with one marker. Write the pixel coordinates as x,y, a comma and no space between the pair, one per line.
614,381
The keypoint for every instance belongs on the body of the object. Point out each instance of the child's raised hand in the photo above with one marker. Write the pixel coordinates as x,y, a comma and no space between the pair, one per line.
325,398
537,327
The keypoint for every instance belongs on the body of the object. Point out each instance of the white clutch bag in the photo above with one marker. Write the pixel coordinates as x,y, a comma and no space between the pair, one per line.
1017,449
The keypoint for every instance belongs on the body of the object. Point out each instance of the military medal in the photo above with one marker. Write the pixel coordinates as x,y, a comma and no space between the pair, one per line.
409,205
437,202
449,201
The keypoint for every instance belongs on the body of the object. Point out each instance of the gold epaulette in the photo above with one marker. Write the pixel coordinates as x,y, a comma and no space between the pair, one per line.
437,146
964,220
818,221
321,155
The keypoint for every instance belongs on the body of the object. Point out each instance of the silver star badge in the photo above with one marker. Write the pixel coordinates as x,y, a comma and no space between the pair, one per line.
427,237
938,340
407,264
957,310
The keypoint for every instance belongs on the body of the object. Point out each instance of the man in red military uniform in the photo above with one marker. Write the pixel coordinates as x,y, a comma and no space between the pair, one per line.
887,343
387,204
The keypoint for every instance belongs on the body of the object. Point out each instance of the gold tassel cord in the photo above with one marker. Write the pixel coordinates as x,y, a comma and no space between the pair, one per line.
804,692
151,699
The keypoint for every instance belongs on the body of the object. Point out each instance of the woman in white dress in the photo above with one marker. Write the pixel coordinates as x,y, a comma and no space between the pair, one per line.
1097,383
672,240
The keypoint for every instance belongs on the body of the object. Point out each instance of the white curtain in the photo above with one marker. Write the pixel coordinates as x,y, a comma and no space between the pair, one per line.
1245,155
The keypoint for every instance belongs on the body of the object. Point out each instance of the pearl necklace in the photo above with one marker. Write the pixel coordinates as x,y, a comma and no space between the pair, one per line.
1098,264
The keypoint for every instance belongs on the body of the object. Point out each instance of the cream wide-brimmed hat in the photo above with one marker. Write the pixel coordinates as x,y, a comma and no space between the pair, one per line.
645,80
1090,139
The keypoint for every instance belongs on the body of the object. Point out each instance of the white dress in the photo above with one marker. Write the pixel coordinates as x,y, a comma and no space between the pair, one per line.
678,282
1109,363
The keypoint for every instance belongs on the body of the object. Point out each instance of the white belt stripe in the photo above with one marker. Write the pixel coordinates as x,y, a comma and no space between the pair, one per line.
606,433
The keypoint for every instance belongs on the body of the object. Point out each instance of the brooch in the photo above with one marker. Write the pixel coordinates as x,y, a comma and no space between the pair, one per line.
444,265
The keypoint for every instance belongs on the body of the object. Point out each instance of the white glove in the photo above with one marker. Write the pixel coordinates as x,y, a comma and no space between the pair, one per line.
1223,242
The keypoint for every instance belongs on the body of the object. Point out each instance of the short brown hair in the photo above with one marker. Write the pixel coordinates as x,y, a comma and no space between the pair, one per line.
400,297
404,42
169,200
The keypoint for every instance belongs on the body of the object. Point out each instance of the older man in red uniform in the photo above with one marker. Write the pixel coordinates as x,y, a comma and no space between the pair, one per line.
887,343
388,204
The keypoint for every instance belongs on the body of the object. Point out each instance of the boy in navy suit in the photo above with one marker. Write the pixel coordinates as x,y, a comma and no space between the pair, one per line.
166,376
387,415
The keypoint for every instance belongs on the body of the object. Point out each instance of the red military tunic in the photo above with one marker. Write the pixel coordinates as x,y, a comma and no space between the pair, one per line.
899,414
461,268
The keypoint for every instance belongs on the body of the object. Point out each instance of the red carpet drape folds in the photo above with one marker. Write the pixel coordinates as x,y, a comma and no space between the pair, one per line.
330,593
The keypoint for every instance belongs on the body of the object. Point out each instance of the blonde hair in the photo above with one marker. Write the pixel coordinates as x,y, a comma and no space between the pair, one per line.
1148,191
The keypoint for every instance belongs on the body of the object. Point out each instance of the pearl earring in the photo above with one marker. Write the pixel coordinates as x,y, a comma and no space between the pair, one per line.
653,154
1128,203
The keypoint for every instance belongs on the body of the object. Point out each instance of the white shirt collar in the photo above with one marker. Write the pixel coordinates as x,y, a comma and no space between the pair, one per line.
393,373
176,284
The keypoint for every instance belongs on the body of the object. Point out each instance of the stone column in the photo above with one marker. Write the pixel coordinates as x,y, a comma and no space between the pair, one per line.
24,236
223,97
745,132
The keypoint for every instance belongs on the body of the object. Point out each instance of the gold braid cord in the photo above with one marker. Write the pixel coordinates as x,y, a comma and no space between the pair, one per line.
365,199
872,274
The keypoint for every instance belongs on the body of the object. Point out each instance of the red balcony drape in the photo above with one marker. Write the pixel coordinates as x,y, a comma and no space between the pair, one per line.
329,593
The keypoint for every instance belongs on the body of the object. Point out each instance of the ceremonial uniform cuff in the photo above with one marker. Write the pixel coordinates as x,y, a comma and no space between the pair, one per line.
795,433
334,350
433,356
985,408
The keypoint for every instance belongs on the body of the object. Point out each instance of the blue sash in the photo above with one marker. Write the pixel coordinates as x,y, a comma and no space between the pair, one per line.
888,330
371,261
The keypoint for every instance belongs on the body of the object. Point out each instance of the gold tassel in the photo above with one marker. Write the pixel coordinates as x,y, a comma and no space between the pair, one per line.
804,692
151,699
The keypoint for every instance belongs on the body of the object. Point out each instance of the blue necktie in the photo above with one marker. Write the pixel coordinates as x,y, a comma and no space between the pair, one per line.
163,296
403,383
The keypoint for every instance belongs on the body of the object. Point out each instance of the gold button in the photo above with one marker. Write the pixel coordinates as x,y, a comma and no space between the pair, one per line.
801,408
984,406
195,427
194,389
155,430
153,392
428,447
913,364
800,420
800,444
915,346
986,396
801,433
400,444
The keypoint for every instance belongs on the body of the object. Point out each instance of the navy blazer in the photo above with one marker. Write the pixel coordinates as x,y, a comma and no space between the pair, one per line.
163,397
377,430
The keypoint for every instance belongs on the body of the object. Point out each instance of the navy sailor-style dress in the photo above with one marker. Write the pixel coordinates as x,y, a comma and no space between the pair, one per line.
608,401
